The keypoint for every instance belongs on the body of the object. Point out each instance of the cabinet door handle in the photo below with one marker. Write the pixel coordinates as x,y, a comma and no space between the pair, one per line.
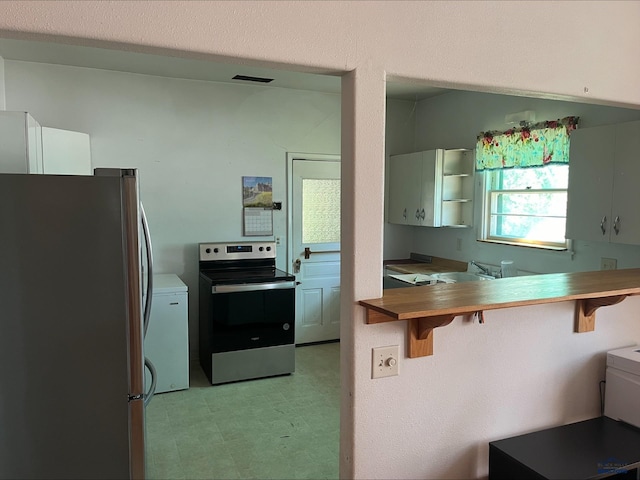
418,214
404,214
422,214
603,224
616,225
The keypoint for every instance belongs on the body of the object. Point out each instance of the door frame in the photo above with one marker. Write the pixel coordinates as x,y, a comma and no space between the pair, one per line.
291,156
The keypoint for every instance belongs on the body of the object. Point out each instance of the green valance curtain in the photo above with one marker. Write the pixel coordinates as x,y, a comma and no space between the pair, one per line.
532,146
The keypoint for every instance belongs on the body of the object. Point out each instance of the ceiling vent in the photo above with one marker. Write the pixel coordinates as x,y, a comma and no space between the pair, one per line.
253,79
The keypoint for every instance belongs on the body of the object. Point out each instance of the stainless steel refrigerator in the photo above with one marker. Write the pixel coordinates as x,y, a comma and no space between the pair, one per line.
72,326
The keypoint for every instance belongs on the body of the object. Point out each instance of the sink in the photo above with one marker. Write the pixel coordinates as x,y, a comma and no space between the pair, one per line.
415,278
448,277
455,277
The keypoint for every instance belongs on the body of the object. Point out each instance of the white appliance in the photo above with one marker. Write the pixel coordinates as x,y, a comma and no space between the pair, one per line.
72,318
167,340
622,393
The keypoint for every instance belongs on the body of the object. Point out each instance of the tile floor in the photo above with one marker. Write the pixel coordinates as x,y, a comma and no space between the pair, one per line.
274,428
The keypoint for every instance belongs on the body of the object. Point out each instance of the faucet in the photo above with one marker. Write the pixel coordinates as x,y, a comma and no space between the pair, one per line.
484,270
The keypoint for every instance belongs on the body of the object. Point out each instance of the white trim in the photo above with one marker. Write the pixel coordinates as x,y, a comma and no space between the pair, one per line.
291,156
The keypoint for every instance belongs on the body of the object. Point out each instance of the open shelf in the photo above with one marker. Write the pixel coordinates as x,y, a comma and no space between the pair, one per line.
429,307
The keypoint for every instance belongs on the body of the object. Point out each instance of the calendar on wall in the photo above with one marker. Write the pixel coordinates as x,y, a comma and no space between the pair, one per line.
257,206
258,221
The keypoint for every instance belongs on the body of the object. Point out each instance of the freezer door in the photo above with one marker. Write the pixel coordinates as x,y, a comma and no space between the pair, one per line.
65,333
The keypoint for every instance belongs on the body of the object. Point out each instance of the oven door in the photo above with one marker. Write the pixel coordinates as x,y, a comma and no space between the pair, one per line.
252,315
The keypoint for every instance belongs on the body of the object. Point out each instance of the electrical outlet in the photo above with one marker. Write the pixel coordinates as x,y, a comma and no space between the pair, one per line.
384,362
608,263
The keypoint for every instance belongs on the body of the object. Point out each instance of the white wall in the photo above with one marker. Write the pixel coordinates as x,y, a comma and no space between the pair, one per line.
434,420
453,120
399,138
2,94
192,141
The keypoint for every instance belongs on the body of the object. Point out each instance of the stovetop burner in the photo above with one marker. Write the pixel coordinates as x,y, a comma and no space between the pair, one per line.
246,262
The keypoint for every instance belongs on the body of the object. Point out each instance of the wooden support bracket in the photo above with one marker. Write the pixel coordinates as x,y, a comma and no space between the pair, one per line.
585,320
420,342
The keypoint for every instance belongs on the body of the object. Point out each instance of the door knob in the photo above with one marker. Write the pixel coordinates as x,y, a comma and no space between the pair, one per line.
296,266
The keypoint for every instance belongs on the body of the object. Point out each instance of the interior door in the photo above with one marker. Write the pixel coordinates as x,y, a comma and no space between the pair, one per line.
316,249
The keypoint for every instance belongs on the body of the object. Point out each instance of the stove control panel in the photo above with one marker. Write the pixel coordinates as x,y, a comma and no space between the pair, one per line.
237,251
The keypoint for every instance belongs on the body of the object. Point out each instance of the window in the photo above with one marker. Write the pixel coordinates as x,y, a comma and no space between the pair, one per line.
526,173
527,206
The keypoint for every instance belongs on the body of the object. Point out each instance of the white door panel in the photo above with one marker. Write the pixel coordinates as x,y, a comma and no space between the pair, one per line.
316,227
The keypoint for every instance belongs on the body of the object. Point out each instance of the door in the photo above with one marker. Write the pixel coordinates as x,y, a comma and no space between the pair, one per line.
316,229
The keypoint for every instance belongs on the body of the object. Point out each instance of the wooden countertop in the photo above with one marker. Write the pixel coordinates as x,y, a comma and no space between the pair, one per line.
428,307
437,265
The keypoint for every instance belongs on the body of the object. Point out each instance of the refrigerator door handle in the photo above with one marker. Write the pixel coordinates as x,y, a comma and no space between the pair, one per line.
147,240
147,304
154,378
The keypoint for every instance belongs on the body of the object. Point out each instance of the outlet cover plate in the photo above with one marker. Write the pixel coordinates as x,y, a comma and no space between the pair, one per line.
608,263
385,361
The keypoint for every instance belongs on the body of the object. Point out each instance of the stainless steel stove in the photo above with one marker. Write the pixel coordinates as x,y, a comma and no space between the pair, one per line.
247,312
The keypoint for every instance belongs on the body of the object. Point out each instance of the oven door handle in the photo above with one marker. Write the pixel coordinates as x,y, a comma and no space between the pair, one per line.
251,287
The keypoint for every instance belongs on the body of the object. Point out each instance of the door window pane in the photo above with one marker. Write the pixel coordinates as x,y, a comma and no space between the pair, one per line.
320,210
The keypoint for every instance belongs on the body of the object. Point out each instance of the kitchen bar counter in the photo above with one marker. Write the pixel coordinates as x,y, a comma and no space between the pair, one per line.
428,307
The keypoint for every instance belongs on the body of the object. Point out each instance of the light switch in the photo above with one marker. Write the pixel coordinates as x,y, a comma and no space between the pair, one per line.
385,361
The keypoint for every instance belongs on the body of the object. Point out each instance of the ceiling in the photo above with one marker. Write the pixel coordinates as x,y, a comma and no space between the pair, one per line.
175,67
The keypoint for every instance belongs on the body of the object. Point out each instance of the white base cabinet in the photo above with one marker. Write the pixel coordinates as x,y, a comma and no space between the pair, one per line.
433,188
166,344
603,195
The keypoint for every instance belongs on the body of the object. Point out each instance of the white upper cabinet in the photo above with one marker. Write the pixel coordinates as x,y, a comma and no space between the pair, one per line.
20,143
603,193
27,147
432,188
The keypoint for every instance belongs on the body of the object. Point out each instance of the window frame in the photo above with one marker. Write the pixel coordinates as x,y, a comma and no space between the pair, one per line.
492,188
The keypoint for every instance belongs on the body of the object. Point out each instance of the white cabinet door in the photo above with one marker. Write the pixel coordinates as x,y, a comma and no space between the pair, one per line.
405,178
626,193
417,184
591,183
